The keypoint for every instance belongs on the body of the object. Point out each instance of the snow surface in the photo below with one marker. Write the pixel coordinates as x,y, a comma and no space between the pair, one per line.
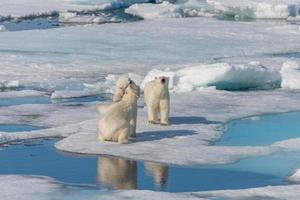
133,47
264,9
14,187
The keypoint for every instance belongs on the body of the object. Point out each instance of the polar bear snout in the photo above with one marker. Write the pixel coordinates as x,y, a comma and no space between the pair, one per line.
163,80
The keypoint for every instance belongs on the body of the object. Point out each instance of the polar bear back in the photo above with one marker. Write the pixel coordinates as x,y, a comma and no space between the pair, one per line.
115,117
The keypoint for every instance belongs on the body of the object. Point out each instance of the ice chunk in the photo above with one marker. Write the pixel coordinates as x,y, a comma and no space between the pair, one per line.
9,84
295,177
73,17
290,73
152,11
220,75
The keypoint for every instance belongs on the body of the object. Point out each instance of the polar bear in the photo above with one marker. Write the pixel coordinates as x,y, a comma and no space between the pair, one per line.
116,122
117,173
157,99
121,84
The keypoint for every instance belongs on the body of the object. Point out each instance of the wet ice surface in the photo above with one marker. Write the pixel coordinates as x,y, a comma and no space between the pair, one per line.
262,130
17,127
40,158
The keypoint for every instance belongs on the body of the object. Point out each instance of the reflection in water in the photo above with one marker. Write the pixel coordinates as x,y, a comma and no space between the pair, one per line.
159,173
117,173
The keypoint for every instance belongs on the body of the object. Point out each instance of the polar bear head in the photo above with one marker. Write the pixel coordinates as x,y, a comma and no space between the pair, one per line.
164,80
132,89
121,85
123,82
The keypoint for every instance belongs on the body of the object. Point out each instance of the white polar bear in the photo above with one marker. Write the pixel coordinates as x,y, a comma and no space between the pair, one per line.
121,84
117,119
157,99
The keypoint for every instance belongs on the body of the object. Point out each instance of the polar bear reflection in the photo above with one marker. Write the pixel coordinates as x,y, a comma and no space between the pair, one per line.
117,173
158,172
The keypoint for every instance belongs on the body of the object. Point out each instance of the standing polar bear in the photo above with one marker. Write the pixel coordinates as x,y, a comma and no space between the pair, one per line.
116,122
157,99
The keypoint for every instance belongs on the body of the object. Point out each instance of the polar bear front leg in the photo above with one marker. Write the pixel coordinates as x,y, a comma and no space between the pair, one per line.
164,108
123,135
152,114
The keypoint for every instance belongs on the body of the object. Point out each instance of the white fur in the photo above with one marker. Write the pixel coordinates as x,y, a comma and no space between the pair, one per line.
118,118
157,99
121,85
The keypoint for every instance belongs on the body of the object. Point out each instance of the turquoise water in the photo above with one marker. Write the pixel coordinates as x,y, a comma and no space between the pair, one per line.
39,157
18,127
259,131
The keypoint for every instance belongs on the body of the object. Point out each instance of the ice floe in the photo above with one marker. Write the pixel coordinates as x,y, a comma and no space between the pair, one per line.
153,11
193,124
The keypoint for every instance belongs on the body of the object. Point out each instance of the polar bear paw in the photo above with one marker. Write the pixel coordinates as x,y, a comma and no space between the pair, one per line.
153,122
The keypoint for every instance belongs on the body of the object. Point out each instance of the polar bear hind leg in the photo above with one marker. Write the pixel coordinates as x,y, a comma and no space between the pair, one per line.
164,112
152,114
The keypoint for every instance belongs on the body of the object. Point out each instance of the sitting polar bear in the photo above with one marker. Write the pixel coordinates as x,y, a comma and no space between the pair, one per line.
121,84
157,99
117,121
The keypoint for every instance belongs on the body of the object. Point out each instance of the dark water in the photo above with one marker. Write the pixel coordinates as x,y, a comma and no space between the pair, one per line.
52,21
40,158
